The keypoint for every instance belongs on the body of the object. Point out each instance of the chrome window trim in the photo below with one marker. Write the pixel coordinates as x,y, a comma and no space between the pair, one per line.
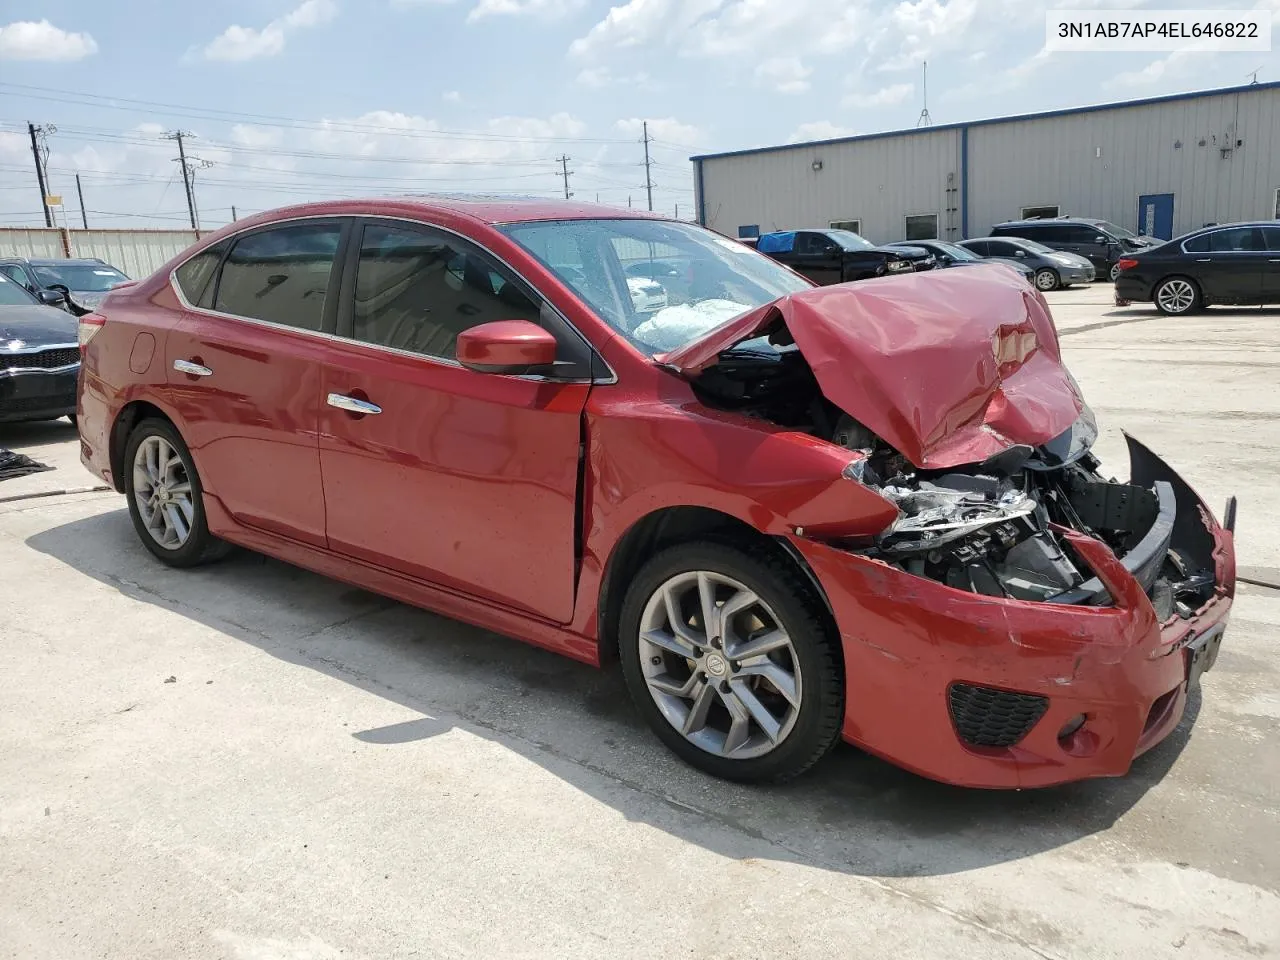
231,238
1209,233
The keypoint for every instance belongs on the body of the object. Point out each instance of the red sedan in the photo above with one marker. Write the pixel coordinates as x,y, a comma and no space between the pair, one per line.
793,514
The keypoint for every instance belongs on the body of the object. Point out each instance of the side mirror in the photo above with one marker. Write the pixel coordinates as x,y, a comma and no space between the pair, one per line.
506,346
1103,241
51,297
1019,253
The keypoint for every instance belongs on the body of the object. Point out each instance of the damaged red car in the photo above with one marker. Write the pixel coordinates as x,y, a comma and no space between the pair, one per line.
792,514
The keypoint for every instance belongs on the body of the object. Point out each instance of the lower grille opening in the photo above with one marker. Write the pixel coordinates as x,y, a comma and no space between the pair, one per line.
1160,709
986,717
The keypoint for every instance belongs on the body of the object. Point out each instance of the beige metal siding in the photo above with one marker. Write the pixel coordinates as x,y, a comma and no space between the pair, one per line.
1098,163
137,252
879,182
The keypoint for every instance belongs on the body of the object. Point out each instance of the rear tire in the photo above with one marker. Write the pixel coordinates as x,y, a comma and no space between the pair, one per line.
1177,296
762,696
1046,280
1114,273
166,500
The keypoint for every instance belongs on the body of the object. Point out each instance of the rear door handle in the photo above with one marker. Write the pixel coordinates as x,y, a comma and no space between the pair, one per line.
195,369
1205,260
352,404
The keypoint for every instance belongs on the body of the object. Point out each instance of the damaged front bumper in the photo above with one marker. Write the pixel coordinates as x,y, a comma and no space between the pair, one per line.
989,691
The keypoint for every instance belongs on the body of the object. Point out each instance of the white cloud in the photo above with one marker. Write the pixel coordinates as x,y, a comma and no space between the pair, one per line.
929,26
600,77
250,135
642,22
451,96
249,43
668,129
784,74
41,40
819,130
884,97
542,8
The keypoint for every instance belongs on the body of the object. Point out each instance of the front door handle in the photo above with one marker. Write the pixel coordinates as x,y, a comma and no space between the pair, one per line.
194,369
352,404
1205,260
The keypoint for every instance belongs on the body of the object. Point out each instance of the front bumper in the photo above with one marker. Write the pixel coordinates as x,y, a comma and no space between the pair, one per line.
37,394
909,641
1077,274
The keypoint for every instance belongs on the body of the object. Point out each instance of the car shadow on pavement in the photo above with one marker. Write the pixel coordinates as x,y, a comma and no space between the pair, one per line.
853,813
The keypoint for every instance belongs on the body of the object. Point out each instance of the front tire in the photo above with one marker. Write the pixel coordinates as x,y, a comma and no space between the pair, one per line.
1177,296
757,696
166,500
1046,280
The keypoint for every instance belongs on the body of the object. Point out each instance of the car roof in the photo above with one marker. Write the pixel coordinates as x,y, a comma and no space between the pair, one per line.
1038,220
478,207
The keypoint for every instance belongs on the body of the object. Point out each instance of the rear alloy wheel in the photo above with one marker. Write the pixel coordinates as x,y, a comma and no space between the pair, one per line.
1177,296
1114,273
166,501
730,662
1047,279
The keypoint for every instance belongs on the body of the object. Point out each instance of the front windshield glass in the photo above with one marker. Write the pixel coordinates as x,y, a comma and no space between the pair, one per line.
850,240
1119,232
954,251
1035,247
81,277
14,295
699,278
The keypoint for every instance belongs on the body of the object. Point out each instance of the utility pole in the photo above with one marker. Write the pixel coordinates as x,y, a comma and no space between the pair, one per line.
648,180
84,219
565,171
677,211
186,173
233,213
44,188
189,166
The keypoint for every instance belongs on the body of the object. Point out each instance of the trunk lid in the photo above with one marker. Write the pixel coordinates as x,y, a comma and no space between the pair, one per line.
949,367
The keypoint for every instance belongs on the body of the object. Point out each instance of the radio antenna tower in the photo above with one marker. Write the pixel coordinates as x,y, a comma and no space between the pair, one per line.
925,120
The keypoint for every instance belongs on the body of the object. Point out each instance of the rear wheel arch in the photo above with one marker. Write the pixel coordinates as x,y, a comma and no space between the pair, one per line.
130,416
668,527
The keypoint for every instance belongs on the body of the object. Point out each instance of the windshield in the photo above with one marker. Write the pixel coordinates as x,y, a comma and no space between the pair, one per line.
82,277
850,240
954,251
14,295
705,279
1033,246
1118,232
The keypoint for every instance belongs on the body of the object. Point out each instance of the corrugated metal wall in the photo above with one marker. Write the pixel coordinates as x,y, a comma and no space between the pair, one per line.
1098,164
877,182
137,252
1095,163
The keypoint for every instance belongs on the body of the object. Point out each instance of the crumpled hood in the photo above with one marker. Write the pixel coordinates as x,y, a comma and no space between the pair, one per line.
949,367
36,325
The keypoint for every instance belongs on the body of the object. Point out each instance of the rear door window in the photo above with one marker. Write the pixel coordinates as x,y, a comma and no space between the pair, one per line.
1237,240
281,275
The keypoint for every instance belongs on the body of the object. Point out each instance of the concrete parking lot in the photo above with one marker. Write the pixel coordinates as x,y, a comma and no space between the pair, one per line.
254,763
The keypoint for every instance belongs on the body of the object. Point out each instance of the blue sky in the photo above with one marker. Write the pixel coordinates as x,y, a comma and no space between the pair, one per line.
300,99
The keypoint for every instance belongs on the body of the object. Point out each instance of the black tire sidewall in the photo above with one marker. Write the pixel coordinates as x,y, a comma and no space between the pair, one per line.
817,651
200,544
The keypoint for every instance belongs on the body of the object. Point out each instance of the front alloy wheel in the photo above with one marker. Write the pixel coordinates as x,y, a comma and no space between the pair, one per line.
732,660
1114,274
1046,279
719,666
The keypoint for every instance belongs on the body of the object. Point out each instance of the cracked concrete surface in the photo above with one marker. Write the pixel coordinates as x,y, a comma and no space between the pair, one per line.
333,775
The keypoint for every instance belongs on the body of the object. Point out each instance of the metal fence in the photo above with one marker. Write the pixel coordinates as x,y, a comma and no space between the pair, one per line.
136,252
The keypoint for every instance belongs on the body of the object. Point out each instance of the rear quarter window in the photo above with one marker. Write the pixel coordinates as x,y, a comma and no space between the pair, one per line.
195,277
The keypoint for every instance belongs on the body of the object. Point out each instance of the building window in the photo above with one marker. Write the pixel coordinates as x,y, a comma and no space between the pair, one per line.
750,232
922,227
853,226
1039,213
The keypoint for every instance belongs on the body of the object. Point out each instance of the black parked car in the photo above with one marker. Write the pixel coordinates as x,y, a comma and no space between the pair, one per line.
1052,268
39,357
954,255
84,283
1230,263
1100,242
838,256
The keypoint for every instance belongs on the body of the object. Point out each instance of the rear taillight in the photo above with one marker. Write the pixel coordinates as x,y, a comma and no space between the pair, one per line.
89,326
1127,263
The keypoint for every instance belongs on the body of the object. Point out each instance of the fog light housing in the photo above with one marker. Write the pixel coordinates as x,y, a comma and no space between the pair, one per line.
1071,726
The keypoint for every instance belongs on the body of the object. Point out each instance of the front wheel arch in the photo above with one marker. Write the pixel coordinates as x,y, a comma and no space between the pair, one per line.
667,527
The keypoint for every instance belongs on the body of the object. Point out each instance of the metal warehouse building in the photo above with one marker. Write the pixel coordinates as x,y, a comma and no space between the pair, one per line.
1161,166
